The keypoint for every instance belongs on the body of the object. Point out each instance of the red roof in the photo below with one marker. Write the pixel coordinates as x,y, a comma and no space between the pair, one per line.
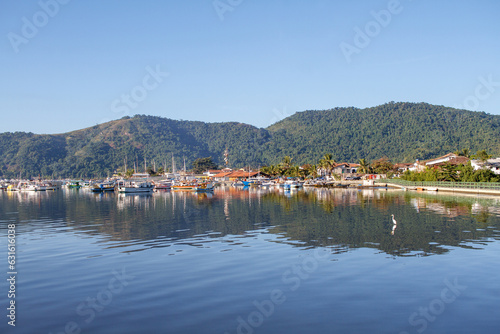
347,164
237,173
223,174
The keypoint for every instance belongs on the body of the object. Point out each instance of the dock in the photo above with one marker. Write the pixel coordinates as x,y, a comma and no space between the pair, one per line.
480,188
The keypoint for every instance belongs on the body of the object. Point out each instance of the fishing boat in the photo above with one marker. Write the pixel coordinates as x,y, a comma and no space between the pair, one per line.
183,185
74,184
204,187
134,186
238,184
163,184
28,186
104,186
247,183
49,186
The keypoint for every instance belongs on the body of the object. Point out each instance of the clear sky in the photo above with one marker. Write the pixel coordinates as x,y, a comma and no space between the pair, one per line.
70,64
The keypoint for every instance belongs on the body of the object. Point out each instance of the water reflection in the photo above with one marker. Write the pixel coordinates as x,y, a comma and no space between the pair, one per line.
340,219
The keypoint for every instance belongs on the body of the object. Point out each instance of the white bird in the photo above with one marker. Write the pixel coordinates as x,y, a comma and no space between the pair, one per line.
395,224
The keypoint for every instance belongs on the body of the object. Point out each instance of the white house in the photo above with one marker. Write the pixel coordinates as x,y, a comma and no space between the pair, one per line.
450,158
491,164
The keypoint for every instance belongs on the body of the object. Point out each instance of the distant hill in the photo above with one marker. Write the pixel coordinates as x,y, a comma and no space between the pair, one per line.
399,131
402,132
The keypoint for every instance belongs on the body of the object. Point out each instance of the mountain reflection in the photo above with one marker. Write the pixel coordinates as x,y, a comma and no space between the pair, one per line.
340,219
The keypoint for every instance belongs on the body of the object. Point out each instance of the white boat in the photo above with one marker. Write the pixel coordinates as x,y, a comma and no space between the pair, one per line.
163,184
238,184
29,186
49,186
292,184
130,186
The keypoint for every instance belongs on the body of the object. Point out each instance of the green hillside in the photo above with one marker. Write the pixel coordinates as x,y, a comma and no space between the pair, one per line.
399,131
402,132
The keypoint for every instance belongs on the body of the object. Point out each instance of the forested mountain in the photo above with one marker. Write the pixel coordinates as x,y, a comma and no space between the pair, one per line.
402,132
399,131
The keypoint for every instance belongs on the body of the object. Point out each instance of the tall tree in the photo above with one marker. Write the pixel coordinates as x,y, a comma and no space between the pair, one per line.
201,165
287,161
463,153
313,170
482,155
327,163
382,166
364,166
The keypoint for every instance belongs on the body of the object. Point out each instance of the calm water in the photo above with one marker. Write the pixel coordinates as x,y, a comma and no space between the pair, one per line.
253,261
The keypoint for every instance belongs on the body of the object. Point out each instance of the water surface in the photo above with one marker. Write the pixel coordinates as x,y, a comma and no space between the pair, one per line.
254,261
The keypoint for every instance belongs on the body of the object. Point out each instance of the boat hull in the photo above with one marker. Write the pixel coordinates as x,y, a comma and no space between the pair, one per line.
135,189
191,188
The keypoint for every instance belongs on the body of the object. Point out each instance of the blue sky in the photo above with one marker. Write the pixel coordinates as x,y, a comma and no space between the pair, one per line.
69,64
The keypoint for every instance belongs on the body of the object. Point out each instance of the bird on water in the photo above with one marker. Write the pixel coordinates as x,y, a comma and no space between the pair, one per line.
395,224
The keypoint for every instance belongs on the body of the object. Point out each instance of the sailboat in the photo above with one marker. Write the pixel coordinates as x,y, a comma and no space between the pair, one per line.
137,185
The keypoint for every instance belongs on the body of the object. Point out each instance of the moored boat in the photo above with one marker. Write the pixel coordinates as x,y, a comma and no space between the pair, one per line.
238,184
204,187
247,183
268,184
134,186
29,186
104,186
74,184
163,184
293,184
183,185
49,186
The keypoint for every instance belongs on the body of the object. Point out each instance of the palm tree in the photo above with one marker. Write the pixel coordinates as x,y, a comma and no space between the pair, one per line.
286,162
482,155
313,170
364,166
465,152
303,173
293,171
266,170
327,163
275,170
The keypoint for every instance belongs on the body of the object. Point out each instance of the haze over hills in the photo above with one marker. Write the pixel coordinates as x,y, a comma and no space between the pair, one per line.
402,132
